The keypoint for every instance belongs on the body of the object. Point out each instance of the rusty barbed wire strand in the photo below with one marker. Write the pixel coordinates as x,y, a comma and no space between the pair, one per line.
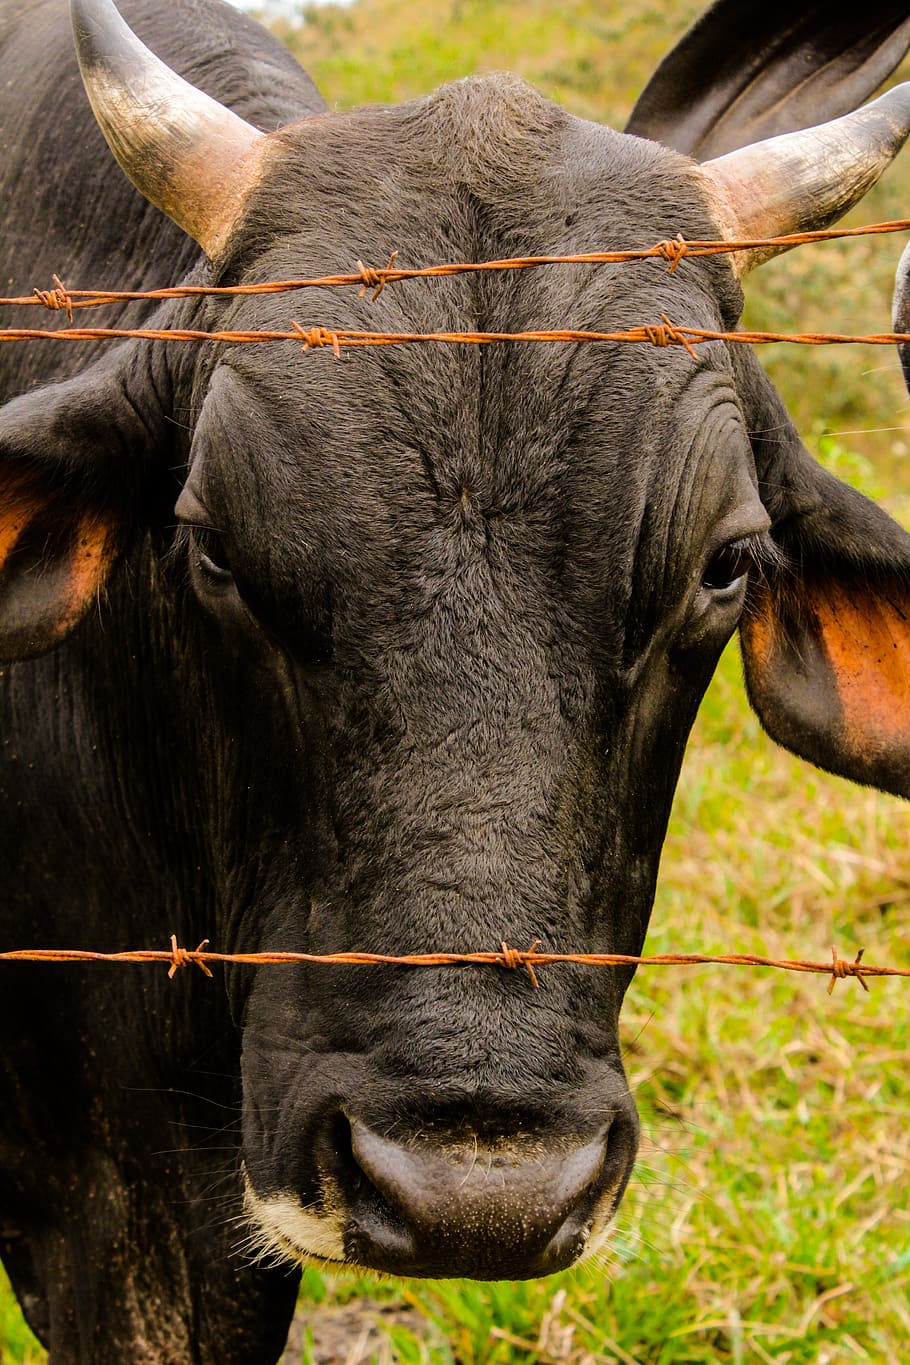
177,957
672,250
664,333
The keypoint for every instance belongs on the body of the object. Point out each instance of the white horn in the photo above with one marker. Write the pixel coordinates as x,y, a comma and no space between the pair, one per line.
188,154
805,181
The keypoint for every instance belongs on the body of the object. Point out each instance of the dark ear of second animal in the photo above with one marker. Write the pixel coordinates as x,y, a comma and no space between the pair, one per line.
901,311
751,69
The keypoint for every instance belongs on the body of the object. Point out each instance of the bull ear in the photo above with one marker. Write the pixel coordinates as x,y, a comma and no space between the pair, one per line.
826,636
73,461
748,70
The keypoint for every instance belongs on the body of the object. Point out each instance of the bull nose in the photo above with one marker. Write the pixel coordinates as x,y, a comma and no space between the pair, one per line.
513,1210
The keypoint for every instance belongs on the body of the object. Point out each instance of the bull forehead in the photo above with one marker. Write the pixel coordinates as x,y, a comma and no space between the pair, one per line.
490,143
400,464
483,169
435,484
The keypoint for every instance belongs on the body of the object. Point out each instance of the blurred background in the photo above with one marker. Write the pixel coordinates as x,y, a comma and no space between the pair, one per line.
770,1216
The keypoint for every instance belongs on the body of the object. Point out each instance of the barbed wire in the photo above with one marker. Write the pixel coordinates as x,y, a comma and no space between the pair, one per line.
672,250
177,957
664,333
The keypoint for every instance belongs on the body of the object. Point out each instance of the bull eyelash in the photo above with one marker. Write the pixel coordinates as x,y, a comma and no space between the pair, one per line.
765,554
179,547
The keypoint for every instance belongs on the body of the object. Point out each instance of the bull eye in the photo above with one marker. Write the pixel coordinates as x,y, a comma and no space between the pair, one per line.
728,567
210,554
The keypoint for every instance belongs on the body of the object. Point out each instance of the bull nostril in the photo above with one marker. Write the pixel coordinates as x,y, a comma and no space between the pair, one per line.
338,1155
371,1216
448,1207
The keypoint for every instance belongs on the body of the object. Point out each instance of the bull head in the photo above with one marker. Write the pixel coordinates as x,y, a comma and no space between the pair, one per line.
199,162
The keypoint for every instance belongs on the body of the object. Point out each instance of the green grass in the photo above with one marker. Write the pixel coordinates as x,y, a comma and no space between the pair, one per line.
769,1219
592,57
17,1345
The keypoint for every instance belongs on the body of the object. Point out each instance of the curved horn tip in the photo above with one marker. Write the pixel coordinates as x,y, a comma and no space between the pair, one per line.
192,157
901,302
901,310
805,181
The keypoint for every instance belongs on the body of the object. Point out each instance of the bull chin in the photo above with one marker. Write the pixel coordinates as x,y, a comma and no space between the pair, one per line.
283,1232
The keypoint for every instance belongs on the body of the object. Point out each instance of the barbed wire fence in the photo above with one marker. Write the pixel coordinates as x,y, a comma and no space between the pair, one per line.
314,337
674,251
177,957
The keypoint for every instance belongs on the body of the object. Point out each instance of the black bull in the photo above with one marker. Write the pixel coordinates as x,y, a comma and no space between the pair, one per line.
413,665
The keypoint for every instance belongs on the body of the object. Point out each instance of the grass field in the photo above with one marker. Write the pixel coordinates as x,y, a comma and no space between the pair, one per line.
770,1216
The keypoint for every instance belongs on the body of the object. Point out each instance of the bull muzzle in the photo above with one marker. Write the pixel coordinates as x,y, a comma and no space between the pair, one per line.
511,1211
454,1204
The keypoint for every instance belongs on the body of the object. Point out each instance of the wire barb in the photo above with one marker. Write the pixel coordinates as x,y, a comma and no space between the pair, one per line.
57,299
668,334
841,969
513,959
182,957
673,250
375,279
317,337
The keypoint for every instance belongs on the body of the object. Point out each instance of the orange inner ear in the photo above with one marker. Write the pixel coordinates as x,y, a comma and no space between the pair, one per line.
15,515
53,562
866,636
91,559
757,629
93,554
827,665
